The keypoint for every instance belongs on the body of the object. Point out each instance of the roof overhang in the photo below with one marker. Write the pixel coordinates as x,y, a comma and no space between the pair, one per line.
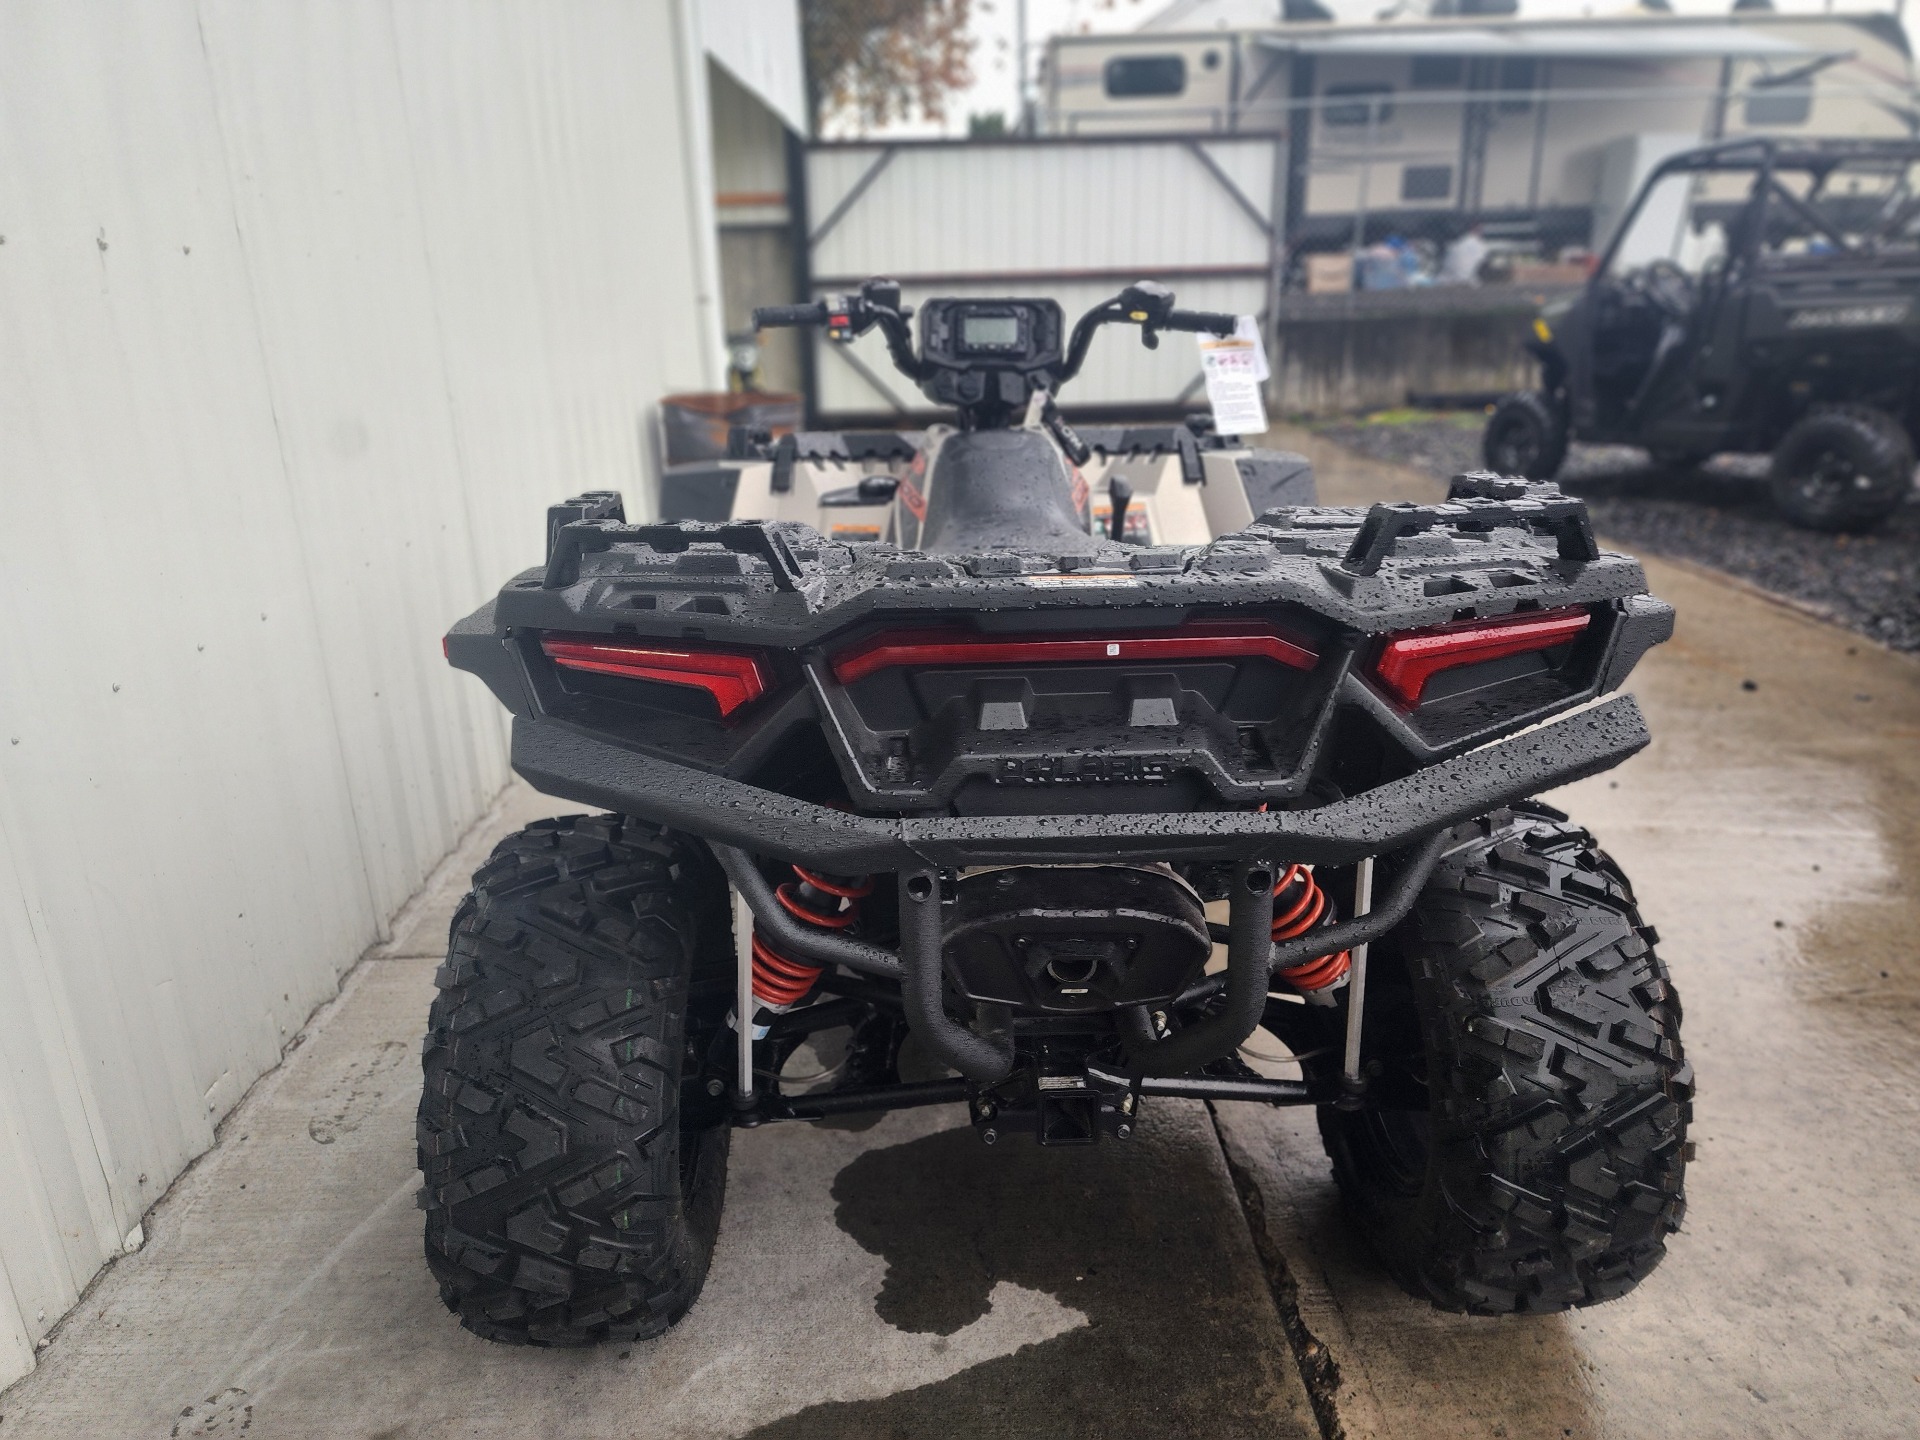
1615,41
759,43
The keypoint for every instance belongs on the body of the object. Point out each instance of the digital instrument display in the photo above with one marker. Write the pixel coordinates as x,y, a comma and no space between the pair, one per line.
990,337
990,332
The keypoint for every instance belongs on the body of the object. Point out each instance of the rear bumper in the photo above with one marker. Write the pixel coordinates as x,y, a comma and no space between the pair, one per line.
576,766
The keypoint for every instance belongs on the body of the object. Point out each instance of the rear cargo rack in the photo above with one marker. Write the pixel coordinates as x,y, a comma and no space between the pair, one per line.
571,539
1476,503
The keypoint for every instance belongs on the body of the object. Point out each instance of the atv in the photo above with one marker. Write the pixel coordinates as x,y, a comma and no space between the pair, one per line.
1760,295
1046,818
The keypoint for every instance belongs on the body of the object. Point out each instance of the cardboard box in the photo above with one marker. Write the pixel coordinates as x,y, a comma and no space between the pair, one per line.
1329,274
1545,272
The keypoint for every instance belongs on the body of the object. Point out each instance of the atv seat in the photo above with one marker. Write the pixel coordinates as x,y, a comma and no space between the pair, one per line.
1004,488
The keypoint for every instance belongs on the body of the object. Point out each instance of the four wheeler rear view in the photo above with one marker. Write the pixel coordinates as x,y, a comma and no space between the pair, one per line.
1759,295
1034,771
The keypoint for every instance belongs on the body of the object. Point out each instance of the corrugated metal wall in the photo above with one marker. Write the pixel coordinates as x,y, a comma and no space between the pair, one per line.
306,312
1070,219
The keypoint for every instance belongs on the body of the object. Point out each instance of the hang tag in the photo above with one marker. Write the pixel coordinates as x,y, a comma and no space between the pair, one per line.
1235,366
1249,329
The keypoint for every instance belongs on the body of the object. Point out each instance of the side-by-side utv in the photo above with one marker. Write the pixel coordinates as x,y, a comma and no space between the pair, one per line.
993,801
1760,295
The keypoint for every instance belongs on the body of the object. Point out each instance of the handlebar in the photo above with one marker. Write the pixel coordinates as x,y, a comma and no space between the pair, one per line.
877,305
849,316
1150,307
767,317
1201,322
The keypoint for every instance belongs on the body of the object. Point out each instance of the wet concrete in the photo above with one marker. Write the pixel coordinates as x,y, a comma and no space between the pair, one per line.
1773,834
899,1280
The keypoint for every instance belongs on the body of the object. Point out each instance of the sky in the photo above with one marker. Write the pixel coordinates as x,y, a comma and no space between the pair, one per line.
994,86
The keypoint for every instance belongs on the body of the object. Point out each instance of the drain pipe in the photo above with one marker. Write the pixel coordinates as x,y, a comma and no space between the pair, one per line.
1369,923
1351,1082
744,1005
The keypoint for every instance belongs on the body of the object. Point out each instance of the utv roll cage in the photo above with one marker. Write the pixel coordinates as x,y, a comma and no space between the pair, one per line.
1767,158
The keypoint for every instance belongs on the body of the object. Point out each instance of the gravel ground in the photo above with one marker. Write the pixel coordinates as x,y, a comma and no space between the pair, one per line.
1717,514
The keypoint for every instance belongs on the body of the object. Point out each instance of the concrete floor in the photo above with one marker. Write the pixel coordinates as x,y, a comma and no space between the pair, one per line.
900,1280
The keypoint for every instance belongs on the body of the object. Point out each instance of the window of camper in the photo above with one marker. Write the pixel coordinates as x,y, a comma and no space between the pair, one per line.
1516,85
1426,182
1779,104
1357,104
1143,77
1439,72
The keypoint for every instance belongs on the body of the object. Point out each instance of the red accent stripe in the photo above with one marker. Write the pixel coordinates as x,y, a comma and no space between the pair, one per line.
1408,661
732,679
1200,640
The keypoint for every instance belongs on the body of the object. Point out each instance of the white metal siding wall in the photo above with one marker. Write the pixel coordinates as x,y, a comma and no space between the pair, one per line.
306,312
1070,220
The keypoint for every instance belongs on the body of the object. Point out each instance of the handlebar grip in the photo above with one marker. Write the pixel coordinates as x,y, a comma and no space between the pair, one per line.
1206,322
767,317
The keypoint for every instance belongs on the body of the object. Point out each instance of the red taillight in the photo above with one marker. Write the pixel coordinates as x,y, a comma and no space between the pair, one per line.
1201,640
731,678
1408,661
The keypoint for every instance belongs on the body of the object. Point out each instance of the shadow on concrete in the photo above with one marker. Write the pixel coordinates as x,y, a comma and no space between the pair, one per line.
1144,1239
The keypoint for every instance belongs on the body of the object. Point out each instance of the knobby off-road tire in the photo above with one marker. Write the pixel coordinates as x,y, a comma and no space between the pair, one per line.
1525,436
1843,467
567,1203
1547,1170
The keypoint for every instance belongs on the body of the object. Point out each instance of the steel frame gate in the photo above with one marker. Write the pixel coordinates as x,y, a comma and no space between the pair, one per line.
1070,217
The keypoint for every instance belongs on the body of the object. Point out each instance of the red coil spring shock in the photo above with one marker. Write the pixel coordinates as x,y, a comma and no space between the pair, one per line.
1299,905
823,901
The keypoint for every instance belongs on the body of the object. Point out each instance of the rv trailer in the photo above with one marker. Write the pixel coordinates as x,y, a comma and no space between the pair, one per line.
1539,129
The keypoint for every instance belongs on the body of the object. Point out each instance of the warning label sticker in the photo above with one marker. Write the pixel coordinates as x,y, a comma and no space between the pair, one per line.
1235,369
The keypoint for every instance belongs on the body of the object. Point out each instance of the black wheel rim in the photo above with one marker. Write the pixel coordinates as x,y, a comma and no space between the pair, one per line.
1399,1146
1828,481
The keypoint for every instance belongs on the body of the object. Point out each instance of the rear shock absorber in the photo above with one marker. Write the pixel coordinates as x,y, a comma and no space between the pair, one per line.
824,901
1300,905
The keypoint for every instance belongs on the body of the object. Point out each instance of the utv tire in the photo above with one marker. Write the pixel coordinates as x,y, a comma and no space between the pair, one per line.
568,1200
1546,1170
1843,467
1525,436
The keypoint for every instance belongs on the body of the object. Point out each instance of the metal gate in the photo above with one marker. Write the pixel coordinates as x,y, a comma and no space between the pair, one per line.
1074,218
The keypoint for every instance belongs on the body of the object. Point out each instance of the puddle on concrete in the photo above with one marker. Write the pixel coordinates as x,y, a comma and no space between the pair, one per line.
1143,1239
